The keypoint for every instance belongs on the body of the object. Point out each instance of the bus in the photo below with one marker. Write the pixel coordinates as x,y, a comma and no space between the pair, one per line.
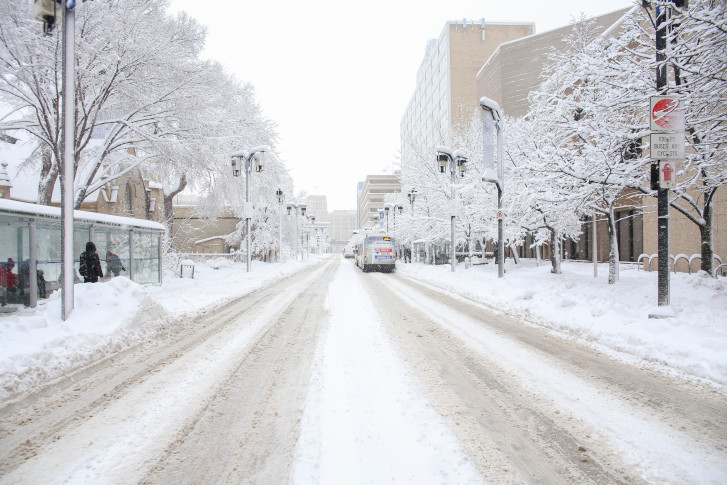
375,253
349,251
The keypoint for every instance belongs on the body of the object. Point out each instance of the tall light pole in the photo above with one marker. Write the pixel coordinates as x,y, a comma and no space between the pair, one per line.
456,162
412,195
495,118
279,195
49,12
393,208
244,160
293,210
312,219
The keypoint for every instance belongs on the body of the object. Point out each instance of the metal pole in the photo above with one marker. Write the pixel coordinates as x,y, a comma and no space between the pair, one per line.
280,237
595,246
297,236
662,194
68,172
500,193
247,201
452,171
33,264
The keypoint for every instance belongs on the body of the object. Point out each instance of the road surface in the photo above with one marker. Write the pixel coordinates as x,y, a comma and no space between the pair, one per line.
336,376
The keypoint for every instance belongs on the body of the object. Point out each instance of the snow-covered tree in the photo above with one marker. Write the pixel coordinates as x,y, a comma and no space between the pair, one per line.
136,71
698,54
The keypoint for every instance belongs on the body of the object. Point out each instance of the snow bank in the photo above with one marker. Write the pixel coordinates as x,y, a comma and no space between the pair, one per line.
690,339
37,346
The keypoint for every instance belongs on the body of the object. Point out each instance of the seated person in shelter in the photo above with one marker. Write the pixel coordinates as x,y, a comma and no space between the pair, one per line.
8,281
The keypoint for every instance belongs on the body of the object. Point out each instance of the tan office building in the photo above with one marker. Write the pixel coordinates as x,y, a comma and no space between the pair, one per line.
514,68
371,197
446,82
511,73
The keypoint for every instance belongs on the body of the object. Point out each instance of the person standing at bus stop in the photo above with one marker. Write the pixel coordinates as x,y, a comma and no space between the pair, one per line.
90,267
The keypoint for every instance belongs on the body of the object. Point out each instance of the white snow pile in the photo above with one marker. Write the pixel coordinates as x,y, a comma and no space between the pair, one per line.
37,346
688,338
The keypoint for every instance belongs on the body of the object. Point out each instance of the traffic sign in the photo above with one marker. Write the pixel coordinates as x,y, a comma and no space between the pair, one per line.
667,146
667,174
667,114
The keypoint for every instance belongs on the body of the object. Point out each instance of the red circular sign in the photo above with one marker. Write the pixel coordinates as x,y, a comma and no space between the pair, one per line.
661,111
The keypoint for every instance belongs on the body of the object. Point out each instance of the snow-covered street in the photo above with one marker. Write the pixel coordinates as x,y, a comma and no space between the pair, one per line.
319,373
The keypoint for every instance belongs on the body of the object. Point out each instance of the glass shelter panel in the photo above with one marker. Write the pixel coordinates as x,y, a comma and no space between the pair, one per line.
14,250
146,258
49,255
19,221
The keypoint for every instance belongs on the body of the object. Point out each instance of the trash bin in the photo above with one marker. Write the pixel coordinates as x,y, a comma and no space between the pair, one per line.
186,269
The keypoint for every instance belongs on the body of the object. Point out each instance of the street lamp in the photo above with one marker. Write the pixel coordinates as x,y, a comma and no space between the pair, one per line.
491,107
50,11
393,208
281,198
295,209
411,195
456,161
245,160
307,236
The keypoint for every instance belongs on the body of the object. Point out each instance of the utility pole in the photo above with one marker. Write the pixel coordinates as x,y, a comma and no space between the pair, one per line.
69,156
663,29
662,194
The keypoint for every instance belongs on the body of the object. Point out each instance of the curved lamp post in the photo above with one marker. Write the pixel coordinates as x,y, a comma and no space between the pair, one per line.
495,118
245,160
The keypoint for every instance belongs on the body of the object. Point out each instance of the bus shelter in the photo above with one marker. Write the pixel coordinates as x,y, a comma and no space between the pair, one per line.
30,244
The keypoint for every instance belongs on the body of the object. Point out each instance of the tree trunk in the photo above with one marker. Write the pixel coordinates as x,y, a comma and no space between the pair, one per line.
168,202
706,232
48,176
555,252
613,259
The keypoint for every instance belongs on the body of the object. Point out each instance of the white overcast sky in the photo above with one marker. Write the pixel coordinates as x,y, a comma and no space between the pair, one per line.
336,75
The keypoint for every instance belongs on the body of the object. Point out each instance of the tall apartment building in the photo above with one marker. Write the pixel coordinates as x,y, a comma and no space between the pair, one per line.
359,189
317,205
343,223
446,82
371,196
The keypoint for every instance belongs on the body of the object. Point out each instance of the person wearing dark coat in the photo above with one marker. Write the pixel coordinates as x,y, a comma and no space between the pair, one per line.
90,267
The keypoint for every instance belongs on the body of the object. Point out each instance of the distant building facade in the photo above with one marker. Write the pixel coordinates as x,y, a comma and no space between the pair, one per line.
371,198
343,223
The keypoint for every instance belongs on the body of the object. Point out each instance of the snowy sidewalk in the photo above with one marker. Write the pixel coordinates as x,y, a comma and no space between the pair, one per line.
37,346
613,319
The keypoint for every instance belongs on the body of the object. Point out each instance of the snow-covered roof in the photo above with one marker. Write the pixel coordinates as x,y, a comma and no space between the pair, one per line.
27,209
